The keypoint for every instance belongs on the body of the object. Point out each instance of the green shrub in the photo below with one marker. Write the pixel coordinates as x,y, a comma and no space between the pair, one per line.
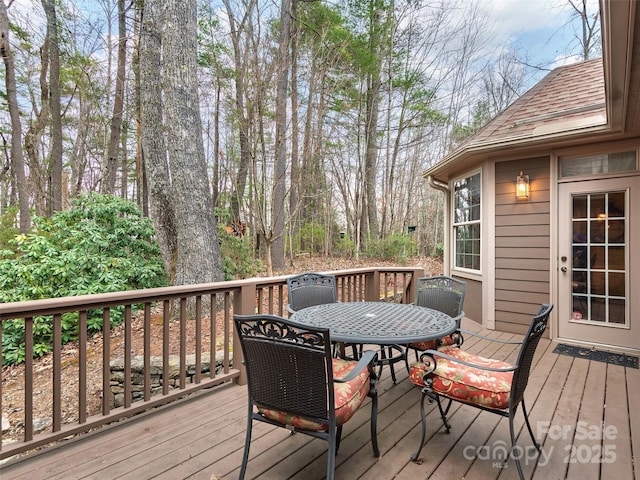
101,244
310,238
238,259
343,246
8,228
395,247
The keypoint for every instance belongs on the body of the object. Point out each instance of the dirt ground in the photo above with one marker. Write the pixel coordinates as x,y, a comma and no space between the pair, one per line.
13,376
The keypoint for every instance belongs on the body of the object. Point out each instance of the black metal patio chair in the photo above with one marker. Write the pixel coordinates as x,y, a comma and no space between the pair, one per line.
445,294
495,386
295,382
308,289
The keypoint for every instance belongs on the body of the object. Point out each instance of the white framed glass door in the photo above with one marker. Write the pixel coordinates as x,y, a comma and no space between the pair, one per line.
598,227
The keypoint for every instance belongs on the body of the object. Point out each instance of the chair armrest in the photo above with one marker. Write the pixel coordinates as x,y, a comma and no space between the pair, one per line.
436,353
368,358
484,337
290,310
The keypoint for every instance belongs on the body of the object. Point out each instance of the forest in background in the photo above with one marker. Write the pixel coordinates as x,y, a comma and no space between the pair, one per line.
303,127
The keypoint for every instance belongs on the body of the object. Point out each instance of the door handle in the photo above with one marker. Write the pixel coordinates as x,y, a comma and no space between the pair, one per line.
563,269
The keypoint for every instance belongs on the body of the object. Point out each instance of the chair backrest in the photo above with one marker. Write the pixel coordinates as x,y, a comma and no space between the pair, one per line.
527,351
289,366
308,289
441,293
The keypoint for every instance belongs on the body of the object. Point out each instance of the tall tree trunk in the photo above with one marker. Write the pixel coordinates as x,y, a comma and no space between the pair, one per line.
38,177
295,165
124,167
141,183
371,123
278,211
243,123
154,149
55,201
111,164
198,258
17,155
78,160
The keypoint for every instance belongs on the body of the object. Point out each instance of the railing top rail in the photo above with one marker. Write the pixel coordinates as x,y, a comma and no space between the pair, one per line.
50,306
102,300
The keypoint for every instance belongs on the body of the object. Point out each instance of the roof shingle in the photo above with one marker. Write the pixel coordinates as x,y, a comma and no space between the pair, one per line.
568,98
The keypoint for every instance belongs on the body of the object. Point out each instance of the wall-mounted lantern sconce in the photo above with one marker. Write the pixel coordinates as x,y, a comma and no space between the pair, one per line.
522,187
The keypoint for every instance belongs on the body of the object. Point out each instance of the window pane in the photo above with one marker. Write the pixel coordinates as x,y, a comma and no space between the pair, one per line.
466,220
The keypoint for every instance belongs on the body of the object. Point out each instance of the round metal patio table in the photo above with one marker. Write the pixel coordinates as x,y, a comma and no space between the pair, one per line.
377,323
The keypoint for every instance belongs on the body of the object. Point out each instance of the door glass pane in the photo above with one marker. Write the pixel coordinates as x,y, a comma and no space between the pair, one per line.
598,273
616,311
598,309
596,206
616,258
596,231
616,231
597,258
616,285
616,205
580,207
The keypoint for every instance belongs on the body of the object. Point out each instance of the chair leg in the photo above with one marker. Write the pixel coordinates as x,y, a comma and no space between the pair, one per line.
423,434
334,444
406,360
373,393
380,362
513,445
247,444
391,367
443,413
533,438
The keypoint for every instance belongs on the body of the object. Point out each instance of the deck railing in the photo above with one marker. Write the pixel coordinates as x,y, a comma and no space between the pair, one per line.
201,357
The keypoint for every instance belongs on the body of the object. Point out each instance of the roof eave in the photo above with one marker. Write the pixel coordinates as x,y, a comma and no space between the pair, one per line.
481,150
617,30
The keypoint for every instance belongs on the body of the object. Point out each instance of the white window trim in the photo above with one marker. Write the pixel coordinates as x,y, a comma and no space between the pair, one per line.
452,257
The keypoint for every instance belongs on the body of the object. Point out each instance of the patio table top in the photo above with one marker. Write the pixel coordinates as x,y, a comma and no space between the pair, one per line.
377,323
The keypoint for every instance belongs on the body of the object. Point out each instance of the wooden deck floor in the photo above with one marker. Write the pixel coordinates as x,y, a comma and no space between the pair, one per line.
203,437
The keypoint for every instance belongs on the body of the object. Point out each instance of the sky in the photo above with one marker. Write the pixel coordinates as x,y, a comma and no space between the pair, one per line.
539,26
538,30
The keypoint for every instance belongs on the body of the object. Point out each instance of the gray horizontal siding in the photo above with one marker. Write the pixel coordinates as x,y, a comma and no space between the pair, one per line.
522,252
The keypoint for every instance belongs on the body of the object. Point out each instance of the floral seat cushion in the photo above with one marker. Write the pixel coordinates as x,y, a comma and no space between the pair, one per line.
348,398
447,341
464,383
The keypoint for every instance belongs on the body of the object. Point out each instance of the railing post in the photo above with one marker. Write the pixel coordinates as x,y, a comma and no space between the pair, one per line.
244,303
372,286
413,283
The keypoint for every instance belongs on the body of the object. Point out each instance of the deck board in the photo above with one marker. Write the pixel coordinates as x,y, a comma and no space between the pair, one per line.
202,438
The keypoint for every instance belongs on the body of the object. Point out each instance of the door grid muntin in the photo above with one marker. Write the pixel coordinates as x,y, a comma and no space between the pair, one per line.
599,250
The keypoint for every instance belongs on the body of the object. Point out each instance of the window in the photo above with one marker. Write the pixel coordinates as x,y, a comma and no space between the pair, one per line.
466,222
597,164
